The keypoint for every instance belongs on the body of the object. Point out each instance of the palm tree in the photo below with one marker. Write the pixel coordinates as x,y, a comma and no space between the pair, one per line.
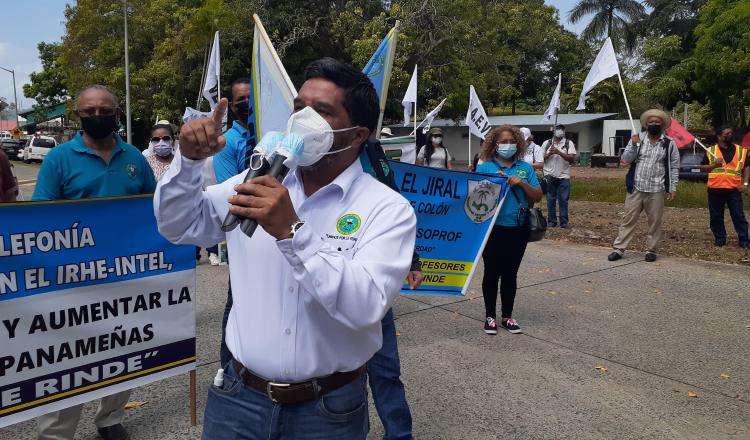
612,18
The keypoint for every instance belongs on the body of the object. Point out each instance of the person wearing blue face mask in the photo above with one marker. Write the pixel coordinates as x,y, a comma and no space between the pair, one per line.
502,152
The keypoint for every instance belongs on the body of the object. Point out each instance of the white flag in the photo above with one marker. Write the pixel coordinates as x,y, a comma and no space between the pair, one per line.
431,117
605,66
273,90
554,104
410,97
476,118
211,87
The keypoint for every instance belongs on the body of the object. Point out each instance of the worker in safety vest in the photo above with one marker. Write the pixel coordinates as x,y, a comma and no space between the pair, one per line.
728,178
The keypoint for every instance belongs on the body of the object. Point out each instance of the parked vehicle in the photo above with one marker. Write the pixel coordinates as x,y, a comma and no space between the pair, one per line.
4,134
690,166
12,147
37,147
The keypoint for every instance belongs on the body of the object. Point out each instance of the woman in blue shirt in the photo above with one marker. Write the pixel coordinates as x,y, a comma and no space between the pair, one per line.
502,152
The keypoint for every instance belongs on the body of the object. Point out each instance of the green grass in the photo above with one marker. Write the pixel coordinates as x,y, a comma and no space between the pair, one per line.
689,194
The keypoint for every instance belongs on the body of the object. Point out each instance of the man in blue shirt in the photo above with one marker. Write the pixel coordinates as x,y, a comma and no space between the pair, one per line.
240,138
96,163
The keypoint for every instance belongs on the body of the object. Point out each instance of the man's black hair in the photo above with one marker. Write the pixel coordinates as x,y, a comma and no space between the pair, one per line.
360,99
560,126
237,82
725,127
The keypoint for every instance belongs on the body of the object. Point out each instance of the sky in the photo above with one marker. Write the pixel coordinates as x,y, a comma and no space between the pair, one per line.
23,27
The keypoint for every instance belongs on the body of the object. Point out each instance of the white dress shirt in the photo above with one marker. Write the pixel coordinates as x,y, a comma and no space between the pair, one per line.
555,165
308,306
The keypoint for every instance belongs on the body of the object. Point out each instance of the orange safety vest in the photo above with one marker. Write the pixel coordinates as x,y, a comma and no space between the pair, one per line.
730,175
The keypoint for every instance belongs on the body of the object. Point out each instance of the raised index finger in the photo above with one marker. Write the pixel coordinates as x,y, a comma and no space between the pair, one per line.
220,111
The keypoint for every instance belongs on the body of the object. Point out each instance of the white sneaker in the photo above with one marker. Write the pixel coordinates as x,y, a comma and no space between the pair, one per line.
213,259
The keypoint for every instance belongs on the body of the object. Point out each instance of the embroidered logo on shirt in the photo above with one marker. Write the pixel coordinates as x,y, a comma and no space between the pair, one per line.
482,200
521,174
385,166
348,224
131,170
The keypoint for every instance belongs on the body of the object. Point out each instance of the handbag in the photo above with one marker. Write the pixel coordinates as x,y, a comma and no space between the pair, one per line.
533,218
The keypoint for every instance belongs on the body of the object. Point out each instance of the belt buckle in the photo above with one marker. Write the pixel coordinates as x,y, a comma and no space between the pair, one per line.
269,389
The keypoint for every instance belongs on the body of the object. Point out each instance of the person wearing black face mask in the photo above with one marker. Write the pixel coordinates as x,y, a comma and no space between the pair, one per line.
728,177
652,177
95,163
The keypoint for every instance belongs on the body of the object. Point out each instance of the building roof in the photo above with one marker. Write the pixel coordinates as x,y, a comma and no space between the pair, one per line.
527,120
7,125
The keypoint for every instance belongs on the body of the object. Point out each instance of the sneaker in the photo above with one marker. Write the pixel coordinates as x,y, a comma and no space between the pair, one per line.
564,226
490,326
614,256
551,224
650,257
511,325
213,259
720,243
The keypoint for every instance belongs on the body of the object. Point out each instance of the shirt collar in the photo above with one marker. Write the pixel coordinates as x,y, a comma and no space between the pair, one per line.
343,182
80,146
240,129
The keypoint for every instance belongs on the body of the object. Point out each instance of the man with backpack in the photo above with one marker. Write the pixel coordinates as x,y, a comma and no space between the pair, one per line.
559,153
652,177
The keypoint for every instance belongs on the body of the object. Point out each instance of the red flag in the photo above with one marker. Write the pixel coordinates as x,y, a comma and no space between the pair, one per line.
681,136
746,140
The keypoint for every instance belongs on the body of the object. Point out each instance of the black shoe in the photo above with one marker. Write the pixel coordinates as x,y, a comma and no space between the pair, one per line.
551,225
490,326
650,257
511,325
564,226
114,432
614,256
720,243
745,245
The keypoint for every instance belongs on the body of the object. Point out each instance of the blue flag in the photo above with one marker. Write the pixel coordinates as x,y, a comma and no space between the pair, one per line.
378,69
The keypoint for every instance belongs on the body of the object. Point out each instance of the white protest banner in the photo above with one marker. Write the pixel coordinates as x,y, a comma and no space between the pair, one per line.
554,104
86,311
431,116
191,114
403,148
211,85
410,98
605,66
476,118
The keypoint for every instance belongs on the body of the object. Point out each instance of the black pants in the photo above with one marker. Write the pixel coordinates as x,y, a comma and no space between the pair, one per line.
717,198
502,257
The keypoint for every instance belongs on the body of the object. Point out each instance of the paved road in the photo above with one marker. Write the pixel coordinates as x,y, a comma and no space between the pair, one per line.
26,174
661,330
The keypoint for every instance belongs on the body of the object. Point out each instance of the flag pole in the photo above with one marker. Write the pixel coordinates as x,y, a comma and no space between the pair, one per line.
471,159
627,105
218,73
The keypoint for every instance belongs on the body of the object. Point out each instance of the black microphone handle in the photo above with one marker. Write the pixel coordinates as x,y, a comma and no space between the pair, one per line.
278,170
231,221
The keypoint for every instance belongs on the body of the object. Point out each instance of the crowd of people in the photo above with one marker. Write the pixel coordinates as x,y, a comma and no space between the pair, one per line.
298,348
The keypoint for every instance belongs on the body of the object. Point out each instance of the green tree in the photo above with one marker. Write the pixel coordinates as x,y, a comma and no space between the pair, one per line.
47,87
722,60
611,18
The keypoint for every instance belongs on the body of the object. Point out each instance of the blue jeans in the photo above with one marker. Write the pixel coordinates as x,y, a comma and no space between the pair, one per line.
235,411
558,192
717,199
384,371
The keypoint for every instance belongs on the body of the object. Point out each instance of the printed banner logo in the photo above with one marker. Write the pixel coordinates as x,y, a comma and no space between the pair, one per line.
482,200
348,224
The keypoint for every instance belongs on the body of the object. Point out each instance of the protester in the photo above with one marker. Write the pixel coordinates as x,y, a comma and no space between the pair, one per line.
653,175
728,177
559,153
162,145
534,153
8,184
95,163
502,152
301,279
434,154
149,151
386,133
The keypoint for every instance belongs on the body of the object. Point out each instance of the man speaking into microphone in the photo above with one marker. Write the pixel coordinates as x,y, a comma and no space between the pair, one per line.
312,284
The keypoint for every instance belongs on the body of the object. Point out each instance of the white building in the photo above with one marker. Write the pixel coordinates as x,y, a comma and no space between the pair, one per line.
585,129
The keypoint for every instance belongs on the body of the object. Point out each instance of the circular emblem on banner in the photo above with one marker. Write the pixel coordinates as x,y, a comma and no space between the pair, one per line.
483,197
131,170
348,224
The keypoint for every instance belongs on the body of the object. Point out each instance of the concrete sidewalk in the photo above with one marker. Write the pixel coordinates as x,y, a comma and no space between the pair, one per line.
660,330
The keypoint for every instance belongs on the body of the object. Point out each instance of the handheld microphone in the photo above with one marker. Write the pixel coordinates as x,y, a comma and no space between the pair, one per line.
259,166
287,154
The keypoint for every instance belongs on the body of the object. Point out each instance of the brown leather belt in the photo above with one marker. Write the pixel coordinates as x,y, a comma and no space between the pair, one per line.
289,393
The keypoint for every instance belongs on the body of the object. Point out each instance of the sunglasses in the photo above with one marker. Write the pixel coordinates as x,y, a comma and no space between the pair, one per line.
163,138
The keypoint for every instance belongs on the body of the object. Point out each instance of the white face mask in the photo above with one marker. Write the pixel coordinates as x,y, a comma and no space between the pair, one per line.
316,134
559,133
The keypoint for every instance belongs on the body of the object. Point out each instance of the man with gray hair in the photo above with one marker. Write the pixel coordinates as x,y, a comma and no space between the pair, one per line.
95,163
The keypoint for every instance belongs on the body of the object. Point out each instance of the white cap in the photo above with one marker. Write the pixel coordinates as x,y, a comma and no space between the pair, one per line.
526,133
